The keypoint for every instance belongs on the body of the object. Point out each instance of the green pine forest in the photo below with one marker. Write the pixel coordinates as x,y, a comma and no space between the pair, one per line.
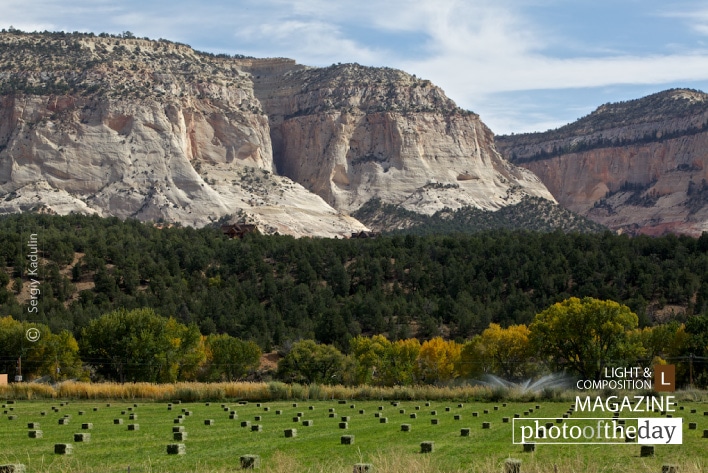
278,290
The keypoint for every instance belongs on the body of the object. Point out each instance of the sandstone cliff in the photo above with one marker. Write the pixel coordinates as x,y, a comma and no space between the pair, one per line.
157,131
639,166
350,133
143,129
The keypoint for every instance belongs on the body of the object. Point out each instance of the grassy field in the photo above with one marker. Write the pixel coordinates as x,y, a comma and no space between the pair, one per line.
317,448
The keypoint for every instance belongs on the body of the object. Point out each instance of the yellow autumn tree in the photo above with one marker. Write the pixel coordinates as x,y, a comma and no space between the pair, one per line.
437,361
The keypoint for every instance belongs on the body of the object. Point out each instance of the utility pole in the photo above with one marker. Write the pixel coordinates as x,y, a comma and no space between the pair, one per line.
18,376
690,369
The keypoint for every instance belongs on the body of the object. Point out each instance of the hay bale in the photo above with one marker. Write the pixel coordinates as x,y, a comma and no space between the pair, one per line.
11,417
427,447
465,432
176,449
250,462
496,408
475,414
87,426
245,423
332,415
427,404
341,401
434,421
413,416
257,418
290,433
95,409
83,437
133,426
646,451
179,428
233,416
256,428
43,413
301,414
178,420
705,434
447,409
486,425
345,419
433,413
457,417
63,421
81,413
33,425
344,425
486,411
417,408
347,440
331,409
383,420
529,447
459,406
669,469
405,427
133,417
512,465
294,404
401,411
181,436
308,423
35,434
266,409
118,421
278,412
312,408
362,411
63,449
16,468
363,468
505,420
296,419
208,421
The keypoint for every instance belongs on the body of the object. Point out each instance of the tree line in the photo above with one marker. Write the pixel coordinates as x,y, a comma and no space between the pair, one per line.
577,337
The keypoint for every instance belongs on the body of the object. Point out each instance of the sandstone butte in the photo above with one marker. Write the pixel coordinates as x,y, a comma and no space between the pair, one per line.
157,131
639,167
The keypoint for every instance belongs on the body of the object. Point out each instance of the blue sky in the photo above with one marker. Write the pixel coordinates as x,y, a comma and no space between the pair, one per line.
523,65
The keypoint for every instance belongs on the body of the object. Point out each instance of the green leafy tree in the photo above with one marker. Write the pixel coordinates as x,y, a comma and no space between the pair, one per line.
230,358
310,362
139,345
39,358
585,335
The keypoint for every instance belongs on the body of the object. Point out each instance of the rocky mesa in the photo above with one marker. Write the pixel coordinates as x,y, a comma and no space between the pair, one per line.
639,166
157,131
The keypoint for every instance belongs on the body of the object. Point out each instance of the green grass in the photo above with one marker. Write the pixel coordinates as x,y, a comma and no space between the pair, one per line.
217,448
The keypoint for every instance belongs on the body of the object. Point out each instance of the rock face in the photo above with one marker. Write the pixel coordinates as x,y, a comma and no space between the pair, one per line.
350,133
639,166
157,131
